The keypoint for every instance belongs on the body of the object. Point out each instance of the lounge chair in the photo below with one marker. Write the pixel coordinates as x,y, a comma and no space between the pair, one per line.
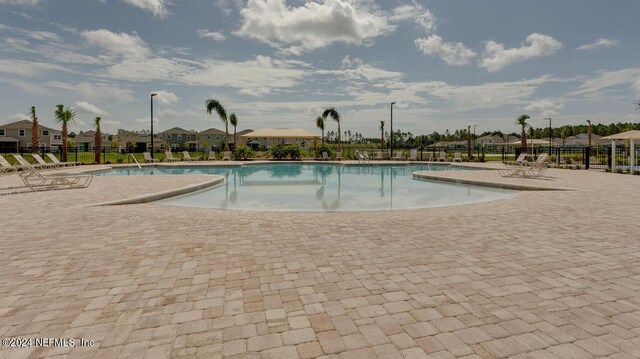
521,160
366,157
414,155
457,157
325,156
187,157
26,163
226,156
147,157
399,156
212,156
6,167
55,159
338,156
37,181
378,156
44,163
168,156
429,157
442,156
533,170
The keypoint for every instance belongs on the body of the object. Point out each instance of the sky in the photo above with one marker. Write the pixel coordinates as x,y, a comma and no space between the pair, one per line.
280,63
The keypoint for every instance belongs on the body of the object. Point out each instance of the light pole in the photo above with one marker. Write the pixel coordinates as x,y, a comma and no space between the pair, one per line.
550,134
153,94
391,137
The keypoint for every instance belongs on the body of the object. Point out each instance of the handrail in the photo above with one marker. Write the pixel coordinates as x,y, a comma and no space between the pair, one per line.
134,159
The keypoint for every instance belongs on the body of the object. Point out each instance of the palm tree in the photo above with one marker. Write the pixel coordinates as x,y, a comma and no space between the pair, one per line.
97,140
381,134
214,105
522,121
35,133
320,125
65,116
331,112
233,120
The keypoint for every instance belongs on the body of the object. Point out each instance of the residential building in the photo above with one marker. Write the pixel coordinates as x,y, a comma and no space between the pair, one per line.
266,138
17,135
86,141
177,138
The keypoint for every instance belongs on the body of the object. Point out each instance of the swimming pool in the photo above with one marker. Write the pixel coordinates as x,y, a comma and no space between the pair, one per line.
322,187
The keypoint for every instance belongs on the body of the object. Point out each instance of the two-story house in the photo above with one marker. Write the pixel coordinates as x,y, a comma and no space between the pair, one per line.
212,139
85,141
17,135
178,138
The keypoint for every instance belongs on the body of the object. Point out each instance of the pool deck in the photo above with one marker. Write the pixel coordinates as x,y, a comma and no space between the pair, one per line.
544,274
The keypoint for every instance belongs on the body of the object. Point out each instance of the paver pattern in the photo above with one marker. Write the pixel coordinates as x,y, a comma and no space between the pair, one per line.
546,274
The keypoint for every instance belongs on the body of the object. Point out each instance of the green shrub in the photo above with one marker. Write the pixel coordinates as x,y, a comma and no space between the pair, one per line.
325,148
294,151
278,151
243,153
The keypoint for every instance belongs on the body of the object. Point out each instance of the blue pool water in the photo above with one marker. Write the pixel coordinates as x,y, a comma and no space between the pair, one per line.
322,187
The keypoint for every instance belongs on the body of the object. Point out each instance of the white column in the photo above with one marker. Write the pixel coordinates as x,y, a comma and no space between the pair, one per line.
632,159
613,156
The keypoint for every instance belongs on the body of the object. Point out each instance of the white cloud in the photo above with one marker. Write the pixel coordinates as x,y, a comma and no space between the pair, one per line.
496,57
605,79
28,68
94,90
423,17
18,117
311,26
20,2
545,107
213,35
117,43
86,107
157,7
166,97
453,53
598,44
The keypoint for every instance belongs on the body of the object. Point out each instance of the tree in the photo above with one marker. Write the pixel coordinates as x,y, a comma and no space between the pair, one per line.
522,121
35,132
320,125
97,140
331,112
564,133
65,116
233,120
214,105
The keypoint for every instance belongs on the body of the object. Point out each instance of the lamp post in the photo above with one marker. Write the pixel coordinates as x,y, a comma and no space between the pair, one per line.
550,134
391,137
153,94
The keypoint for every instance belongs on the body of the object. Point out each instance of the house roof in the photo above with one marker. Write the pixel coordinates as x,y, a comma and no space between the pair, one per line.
24,125
281,133
627,135
177,130
211,131
8,139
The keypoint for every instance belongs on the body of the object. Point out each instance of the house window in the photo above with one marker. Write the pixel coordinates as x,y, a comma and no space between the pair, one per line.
174,146
188,137
179,136
57,137
21,133
45,132
2,132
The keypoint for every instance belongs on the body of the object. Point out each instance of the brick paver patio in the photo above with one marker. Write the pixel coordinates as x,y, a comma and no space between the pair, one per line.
546,274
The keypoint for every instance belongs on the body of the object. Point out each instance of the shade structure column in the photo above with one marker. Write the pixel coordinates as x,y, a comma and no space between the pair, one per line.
613,155
632,158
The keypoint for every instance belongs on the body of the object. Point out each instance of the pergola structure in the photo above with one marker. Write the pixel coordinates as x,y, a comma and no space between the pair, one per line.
631,136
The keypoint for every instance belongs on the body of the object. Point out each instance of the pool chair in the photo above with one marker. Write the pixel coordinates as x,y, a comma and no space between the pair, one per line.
414,155
26,163
378,156
325,156
37,181
429,157
338,156
43,163
399,156
226,156
212,156
366,157
457,157
147,157
442,157
6,167
55,159
533,170
168,156
521,160
187,157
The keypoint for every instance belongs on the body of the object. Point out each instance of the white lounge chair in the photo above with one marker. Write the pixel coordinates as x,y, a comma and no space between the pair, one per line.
378,156
366,157
457,157
414,155
338,156
25,163
54,159
44,163
399,156
212,156
442,156
187,157
168,156
429,157
519,161
6,167
226,156
533,170
147,157
37,181
325,156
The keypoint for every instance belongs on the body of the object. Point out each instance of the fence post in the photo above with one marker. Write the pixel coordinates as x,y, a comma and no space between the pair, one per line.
104,155
609,159
42,149
77,154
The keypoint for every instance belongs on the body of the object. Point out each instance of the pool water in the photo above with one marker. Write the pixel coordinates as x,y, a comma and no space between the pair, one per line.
323,188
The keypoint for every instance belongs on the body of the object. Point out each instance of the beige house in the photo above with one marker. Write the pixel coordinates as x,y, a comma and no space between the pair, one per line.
213,139
265,138
177,138
17,135
86,141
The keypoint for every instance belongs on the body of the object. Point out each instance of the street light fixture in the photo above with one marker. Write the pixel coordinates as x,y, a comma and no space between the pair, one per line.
152,95
391,136
550,134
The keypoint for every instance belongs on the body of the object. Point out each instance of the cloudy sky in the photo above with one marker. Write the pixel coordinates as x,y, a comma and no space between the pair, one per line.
279,63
